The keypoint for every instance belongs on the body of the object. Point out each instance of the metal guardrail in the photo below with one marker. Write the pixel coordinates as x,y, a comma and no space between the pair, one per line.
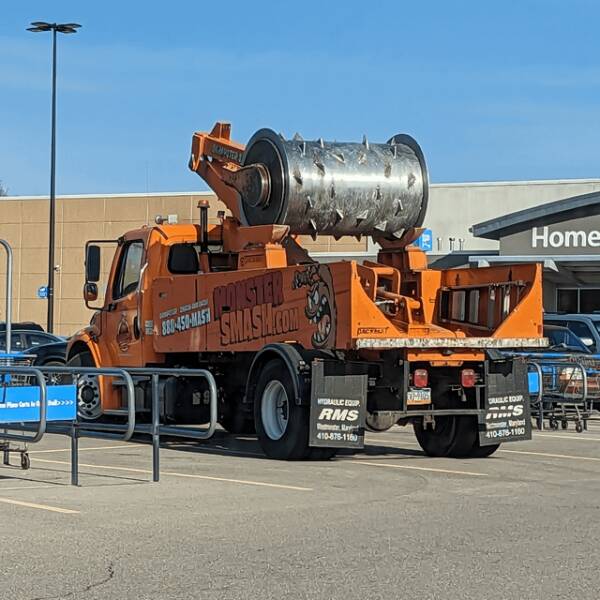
563,393
9,280
41,424
156,428
81,428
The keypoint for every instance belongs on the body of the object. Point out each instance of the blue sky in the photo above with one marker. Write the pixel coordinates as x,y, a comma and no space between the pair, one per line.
491,90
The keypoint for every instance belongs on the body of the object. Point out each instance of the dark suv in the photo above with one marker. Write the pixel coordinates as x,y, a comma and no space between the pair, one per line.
585,326
26,335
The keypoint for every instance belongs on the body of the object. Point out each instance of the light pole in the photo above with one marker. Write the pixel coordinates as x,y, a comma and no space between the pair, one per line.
38,26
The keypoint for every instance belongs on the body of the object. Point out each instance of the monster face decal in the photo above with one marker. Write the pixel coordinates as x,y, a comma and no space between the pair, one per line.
320,303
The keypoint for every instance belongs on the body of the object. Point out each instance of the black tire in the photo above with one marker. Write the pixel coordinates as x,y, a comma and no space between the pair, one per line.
579,428
25,461
57,378
293,442
467,437
564,424
453,437
437,442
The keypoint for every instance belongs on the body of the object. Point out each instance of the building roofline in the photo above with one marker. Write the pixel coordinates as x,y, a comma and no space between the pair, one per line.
210,193
516,182
494,229
127,195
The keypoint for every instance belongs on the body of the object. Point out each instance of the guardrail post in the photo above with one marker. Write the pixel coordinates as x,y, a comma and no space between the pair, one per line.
74,454
540,396
155,428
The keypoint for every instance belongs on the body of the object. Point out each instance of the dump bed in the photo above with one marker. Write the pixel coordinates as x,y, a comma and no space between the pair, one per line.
345,305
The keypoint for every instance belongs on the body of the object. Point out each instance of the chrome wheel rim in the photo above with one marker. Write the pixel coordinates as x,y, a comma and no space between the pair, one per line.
88,397
274,410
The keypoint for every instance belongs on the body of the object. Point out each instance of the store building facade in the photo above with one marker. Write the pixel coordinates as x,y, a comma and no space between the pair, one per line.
554,222
565,237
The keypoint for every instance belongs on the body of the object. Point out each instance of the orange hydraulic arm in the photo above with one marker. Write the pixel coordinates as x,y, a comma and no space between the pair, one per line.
218,160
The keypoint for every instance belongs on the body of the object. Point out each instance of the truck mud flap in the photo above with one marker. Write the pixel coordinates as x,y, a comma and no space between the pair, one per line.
338,404
507,416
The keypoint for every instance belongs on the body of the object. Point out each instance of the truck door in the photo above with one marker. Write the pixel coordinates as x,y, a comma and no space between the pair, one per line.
122,331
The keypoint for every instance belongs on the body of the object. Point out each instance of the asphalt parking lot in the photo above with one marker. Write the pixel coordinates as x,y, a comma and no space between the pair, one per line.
226,523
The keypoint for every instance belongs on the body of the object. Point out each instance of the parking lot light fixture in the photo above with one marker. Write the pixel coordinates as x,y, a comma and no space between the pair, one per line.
37,27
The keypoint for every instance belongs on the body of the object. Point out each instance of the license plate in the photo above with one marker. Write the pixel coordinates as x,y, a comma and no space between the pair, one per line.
417,397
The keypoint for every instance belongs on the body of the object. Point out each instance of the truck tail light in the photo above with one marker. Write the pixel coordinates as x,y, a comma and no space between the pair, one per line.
467,378
420,378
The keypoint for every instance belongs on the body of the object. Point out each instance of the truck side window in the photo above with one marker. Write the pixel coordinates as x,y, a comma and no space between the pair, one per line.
183,259
128,274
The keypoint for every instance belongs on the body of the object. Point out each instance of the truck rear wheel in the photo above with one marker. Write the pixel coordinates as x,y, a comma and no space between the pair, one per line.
454,437
282,425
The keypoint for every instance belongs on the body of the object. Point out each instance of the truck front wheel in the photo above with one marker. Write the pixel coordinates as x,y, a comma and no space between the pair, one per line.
89,406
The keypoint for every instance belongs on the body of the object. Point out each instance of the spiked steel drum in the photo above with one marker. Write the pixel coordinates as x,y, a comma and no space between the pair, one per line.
337,188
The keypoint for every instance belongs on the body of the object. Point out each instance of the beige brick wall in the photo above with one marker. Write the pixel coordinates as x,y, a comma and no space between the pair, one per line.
24,223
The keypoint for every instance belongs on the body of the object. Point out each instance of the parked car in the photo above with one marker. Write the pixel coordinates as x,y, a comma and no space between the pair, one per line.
585,326
563,340
48,355
29,325
25,339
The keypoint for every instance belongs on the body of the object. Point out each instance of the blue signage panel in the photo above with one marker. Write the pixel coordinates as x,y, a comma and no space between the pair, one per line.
42,291
21,404
533,379
425,240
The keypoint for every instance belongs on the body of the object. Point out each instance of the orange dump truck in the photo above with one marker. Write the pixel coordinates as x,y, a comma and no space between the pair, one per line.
309,354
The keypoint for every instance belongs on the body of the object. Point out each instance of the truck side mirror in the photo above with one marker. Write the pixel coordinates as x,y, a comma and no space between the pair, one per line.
92,264
90,292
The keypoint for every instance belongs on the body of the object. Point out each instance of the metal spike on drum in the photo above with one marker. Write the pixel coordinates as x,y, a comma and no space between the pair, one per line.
369,181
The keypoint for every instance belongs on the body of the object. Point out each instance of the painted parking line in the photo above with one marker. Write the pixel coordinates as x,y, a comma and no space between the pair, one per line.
576,436
57,509
183,475
121,446
549,455
415,468
27,487
217,450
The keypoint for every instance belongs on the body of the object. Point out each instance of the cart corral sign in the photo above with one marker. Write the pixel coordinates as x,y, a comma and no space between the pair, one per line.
21,404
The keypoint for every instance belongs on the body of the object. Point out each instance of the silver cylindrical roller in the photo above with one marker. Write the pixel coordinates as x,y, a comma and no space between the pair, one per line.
338,188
